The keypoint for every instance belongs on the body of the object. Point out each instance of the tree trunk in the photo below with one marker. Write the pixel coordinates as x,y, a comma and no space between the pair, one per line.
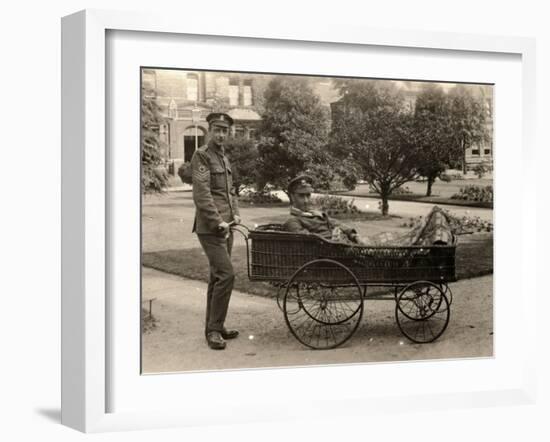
464,171
260,185
429,189
385,205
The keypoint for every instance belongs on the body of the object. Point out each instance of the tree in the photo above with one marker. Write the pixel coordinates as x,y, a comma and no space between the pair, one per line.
185,173
372,128
153,175
469,117
433,134
293,134
243,155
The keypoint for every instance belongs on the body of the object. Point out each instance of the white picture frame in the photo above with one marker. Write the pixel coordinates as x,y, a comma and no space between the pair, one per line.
86,211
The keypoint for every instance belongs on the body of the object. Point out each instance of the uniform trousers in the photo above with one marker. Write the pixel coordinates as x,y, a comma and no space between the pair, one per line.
220,283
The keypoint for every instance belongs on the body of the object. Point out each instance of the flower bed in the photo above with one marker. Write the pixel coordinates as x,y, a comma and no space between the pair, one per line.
475,193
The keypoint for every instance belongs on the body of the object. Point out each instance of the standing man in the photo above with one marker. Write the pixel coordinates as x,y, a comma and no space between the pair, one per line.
216,207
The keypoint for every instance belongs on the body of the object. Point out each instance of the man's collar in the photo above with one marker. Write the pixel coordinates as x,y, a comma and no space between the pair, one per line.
311,214
215,147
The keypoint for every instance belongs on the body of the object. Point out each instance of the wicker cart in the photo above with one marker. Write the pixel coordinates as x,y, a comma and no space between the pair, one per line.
323,285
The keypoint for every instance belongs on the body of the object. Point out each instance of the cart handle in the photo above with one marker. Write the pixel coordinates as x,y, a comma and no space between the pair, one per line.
241,228
244,231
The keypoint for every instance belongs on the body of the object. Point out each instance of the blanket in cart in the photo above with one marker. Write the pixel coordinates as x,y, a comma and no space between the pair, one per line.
433,229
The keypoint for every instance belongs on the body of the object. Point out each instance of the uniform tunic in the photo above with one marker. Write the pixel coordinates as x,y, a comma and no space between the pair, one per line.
213,192
215,202
318,223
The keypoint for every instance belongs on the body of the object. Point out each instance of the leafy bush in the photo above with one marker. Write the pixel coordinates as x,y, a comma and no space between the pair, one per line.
335,205
401,191
258,198
466,224
459,225
475,193
243,155
184,172
154,177
448,177
480,170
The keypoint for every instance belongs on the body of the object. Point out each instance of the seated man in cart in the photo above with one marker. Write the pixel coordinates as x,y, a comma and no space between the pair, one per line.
432,230
304,219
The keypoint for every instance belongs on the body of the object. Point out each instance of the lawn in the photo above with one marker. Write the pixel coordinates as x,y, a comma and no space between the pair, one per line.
441,192
169,245
474,257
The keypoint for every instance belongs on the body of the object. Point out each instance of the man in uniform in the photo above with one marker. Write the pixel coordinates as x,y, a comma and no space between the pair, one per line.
216,207
434,228
304,219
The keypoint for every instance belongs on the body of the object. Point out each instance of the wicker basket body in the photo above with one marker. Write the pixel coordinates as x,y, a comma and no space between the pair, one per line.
276,256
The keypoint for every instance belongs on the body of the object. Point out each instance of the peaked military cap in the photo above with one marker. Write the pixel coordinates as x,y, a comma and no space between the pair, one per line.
301,184
219,119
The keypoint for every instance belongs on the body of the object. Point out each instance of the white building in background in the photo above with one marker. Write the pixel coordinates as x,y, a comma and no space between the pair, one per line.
477,154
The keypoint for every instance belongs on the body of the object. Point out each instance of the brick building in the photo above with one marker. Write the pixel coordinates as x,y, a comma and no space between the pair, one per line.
187,97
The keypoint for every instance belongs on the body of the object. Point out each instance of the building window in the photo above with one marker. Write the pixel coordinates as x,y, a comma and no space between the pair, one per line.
233,95
233,92
192,87
487,151
239,132
475,151
252,134
247,93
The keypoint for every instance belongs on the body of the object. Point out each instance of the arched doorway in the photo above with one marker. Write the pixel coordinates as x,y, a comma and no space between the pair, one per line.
193,137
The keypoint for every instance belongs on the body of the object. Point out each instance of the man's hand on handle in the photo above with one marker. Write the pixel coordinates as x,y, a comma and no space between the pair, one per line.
224,227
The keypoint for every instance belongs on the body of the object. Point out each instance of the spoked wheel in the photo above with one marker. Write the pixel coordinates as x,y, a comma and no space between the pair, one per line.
422,312
280,290
447,292
323,315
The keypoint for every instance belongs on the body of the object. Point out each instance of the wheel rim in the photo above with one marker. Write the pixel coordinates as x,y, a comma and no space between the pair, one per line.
279,297
419,301
320,315
422,312
448,293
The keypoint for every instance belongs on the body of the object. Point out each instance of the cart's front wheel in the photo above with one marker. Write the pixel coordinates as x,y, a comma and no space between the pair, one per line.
422,312
447,292
281,288
323,304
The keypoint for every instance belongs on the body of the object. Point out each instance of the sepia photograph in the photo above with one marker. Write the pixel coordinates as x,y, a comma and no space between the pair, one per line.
297,220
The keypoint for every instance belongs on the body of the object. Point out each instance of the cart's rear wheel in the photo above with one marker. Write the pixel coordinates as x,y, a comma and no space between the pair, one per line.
422,311
323,315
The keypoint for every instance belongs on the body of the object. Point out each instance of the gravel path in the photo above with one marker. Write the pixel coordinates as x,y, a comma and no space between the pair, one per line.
177,342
